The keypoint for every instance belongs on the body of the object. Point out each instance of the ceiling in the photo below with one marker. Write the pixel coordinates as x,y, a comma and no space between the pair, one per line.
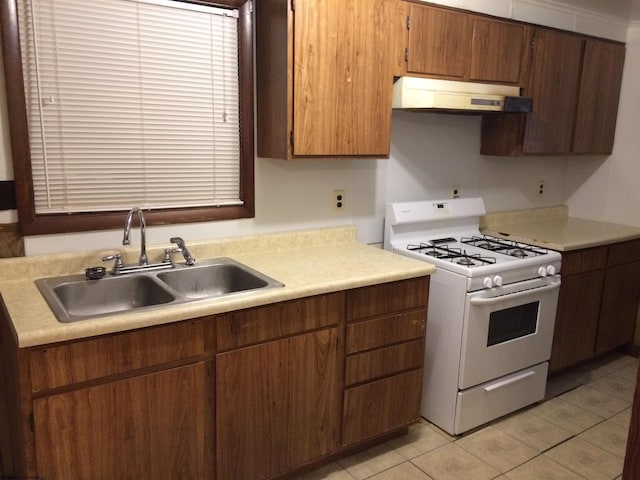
627,10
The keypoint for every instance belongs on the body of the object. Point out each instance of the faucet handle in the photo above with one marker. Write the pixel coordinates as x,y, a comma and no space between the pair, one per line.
117,265
182,248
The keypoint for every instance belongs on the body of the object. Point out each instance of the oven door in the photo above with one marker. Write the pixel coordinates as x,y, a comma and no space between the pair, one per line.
507,329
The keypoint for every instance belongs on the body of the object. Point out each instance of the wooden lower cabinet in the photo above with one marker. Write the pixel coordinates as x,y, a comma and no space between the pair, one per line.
142,427
253,394
598,303
577,319
277,405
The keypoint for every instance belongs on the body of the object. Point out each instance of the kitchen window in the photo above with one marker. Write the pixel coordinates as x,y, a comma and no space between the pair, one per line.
122,103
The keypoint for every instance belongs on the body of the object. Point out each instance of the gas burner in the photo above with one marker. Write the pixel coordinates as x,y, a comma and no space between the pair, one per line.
466,261
508,247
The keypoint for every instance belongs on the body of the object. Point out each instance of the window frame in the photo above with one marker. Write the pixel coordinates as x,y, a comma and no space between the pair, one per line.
31,223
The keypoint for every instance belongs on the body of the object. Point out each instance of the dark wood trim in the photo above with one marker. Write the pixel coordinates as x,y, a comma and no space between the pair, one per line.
31,223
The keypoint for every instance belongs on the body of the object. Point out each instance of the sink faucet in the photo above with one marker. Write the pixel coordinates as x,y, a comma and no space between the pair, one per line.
143,226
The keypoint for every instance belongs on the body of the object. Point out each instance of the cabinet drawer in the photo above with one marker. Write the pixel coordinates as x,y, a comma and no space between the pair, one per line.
625,252
85,360
378,407
388,298
384,331
256,325
385,361
587,260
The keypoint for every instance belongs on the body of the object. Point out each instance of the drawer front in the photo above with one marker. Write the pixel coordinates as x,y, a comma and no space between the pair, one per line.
386,298
261,324
625,252
383,362
379,407
587,260
385,331
85,360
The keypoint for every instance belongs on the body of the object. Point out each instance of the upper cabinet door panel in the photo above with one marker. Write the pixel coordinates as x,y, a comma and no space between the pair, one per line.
343,77
598,97
555,71
497,51
439,42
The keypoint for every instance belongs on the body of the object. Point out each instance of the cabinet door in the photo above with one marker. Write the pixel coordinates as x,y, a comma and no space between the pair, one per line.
439,42
147,427
277,405
576,325
343,77
497,51
598,97
620,301
555,71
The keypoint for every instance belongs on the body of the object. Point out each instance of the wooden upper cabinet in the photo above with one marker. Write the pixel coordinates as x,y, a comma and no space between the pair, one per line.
575,85
439,42
498,51
598,97
325,76
555,72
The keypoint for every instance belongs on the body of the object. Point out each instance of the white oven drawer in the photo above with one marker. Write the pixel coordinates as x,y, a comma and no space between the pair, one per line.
491,400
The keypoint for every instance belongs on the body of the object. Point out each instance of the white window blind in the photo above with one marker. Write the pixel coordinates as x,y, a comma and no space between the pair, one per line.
131,102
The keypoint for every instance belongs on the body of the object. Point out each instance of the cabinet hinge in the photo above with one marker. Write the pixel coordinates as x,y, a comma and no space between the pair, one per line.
293,5
32,423
408,22
291,138
406,54
250,7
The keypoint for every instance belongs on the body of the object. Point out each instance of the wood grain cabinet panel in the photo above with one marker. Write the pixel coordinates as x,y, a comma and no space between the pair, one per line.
81,361
439,42
392,297
277,405
325,75
384,362
374,408
246,327
147,427
598,97
498,52
577,319
379,332
555,72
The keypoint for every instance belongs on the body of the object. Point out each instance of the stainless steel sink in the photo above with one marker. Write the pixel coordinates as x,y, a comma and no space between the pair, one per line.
74,297
217,278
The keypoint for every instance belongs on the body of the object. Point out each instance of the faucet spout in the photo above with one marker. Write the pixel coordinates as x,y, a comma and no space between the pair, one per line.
143,227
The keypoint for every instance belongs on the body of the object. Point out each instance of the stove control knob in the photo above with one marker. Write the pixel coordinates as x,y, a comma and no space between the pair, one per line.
542,272
487,282
551,270
497,281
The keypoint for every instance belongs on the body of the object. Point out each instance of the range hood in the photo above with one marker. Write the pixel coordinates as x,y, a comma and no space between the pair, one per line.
414,93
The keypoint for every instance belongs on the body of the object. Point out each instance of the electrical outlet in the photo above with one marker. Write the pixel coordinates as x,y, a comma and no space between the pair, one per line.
540,188
454,192
339,200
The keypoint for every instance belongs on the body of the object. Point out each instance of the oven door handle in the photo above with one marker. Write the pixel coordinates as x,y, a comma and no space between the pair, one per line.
512,296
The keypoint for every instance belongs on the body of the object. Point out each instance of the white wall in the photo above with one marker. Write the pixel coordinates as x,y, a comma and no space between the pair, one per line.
429,153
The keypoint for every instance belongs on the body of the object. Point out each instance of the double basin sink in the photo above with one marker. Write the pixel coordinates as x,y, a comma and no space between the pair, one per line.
75,297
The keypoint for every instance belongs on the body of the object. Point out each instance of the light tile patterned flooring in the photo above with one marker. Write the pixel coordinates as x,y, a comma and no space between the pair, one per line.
578,432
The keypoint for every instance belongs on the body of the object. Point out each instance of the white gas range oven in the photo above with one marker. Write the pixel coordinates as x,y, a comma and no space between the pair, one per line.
492,308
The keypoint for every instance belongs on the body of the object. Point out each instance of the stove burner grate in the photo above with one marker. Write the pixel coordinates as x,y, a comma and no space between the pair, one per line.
507,247
452,254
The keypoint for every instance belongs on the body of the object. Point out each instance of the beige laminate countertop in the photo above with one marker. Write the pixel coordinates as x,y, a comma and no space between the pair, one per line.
553,228
309,262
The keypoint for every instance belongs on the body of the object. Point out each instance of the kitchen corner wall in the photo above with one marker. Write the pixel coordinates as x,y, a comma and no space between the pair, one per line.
429,154
609,190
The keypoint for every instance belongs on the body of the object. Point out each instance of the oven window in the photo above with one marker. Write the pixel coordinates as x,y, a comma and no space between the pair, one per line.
511,323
